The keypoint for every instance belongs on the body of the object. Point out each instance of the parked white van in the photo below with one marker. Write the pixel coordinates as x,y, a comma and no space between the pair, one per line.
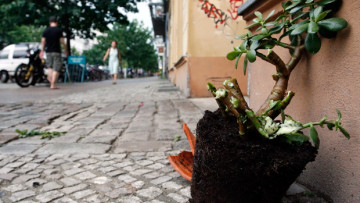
12,56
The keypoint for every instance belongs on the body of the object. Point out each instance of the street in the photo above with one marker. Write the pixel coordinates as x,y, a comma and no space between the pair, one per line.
115,148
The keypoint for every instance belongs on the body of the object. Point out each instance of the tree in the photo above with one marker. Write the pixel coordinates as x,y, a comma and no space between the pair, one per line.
135,43
76,17
25,33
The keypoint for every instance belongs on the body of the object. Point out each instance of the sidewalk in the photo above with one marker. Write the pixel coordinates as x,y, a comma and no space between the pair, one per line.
114,150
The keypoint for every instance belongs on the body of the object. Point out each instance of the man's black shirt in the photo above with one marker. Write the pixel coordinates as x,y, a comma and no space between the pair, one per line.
52,36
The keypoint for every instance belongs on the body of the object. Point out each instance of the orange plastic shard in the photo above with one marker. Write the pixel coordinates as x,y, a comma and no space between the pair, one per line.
191,138
183,162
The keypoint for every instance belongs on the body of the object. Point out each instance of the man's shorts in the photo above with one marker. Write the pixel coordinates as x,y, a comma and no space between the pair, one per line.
53,61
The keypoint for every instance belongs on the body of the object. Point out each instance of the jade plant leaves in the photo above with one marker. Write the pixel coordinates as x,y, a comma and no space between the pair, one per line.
314,136
333,24
300,29
251,55
312,43
232,55
313,28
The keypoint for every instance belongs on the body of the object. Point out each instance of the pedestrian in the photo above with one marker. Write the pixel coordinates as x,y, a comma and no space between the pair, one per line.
50,42
114,60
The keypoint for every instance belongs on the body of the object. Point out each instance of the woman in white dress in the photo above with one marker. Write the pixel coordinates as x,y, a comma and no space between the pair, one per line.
114,60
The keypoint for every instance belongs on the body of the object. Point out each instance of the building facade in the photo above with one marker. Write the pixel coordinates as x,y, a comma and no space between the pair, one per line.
200,33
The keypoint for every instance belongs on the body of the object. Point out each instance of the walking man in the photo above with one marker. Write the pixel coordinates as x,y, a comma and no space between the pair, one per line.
50,42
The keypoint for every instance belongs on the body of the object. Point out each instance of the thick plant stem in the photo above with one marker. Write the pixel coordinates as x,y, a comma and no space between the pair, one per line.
256,123
233,87
277,94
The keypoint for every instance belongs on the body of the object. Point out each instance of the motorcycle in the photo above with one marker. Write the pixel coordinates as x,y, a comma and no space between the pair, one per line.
31,73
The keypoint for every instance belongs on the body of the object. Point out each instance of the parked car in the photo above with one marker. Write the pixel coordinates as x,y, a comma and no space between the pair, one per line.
12,56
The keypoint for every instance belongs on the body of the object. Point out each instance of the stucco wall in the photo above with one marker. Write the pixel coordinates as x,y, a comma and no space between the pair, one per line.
324,82
215,70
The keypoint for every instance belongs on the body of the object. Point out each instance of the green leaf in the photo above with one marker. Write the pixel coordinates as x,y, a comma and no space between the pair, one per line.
326,33
346,134
313,27
296,9
314,136
252,25
256,20
245,64
243,46
237,61
19,131
339,115
254,44
292,6
258,37
251,55
300,29
321,16
333,24
270,14
325,2
318,11
312,43
330,126
276,29
285,4
299,16
309,1
295,138
259,15
270,24
264,31
299,24
232,55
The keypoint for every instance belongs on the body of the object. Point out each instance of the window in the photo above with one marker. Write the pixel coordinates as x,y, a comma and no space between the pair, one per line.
19,54
4,54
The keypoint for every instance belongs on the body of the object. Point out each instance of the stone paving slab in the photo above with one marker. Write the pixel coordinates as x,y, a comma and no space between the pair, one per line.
71,148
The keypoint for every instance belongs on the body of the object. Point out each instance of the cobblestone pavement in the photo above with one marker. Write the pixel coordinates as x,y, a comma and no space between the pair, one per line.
115,149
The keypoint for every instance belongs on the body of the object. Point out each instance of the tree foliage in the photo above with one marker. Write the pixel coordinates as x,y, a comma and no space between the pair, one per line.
134,42
76,17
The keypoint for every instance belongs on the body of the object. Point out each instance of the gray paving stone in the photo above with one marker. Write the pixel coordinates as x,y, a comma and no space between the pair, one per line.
177,198
69,190
126,178
160,180
100,180
85,175
6,170
138,184
139,172
171,185
156,166
73,171
73,148
129,199
51,186
8,176
94,199
118,192
83,193
153,175
65,200
136,146
70,181
15,188
24,178
150,193
186,192
116,173
17,196
49,196
36,182
104,139
18,149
